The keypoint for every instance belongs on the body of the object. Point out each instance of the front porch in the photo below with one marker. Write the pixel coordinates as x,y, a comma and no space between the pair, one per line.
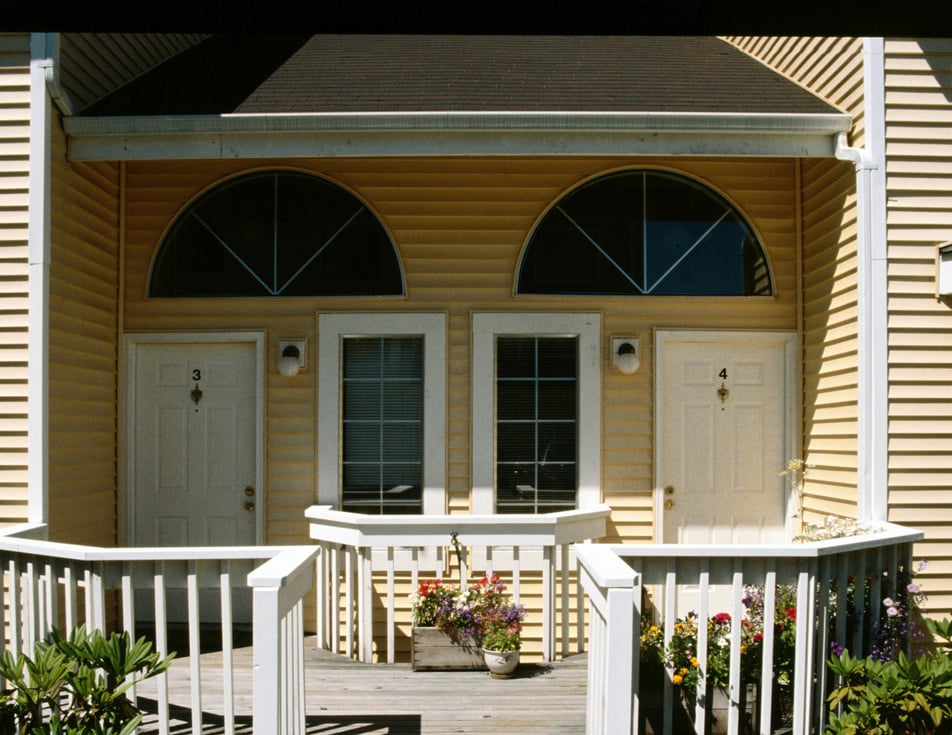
347,696
587,669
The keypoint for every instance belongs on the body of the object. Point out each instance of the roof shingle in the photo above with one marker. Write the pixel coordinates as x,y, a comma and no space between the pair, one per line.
430,73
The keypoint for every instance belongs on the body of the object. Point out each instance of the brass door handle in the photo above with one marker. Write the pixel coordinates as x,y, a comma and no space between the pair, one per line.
249,506
249,491
668,504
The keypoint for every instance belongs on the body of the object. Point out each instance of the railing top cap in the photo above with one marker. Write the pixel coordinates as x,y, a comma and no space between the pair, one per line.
357,529
327,512
886,534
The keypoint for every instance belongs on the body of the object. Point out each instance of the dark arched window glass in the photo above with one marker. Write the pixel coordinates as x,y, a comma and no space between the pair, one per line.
277,233
644,232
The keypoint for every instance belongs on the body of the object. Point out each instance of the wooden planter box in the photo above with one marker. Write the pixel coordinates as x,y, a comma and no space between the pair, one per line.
433,649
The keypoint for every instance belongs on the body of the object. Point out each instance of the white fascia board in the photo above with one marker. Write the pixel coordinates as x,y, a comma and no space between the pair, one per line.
453,133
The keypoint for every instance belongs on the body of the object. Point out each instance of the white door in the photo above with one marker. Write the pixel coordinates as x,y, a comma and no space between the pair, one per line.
195,467
724,434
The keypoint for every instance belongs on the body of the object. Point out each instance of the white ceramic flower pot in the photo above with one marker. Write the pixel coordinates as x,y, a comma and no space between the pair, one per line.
501,664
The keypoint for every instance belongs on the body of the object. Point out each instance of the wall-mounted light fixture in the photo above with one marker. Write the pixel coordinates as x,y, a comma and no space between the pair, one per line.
626,354
292,356
943,270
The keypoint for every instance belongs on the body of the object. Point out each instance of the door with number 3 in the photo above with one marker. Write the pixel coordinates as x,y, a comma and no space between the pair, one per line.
725,429
195,475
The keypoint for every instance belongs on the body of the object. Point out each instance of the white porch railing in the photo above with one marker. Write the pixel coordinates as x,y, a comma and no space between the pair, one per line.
47,584
620,579
392,550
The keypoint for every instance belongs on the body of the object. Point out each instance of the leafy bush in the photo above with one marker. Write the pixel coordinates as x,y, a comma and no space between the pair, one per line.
902,695
76,686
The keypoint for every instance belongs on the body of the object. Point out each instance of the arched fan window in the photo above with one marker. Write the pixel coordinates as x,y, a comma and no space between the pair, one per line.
276,233
644,232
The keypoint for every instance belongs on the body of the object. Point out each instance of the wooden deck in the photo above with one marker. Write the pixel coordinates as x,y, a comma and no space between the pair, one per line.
345,696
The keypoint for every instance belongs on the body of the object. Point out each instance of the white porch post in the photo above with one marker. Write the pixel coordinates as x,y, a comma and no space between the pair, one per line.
873,405
41,70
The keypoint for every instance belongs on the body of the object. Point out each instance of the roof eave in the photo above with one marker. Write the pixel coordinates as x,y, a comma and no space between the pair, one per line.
454,133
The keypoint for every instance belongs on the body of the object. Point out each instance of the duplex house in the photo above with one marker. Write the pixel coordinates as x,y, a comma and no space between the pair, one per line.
428,275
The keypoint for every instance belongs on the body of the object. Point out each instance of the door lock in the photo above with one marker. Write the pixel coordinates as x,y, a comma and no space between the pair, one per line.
250,491
669,489
249,506
668,504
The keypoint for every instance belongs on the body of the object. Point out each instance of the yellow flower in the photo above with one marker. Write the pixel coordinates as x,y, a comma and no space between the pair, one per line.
677,679
694,662
682,672
743,648
653,629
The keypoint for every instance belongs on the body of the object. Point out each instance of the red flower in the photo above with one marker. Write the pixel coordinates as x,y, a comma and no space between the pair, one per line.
792,613
722,617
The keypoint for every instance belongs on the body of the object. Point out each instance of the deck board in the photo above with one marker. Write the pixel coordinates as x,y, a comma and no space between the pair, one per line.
345,696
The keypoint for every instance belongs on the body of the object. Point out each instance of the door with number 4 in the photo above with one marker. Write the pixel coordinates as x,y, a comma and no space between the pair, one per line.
725,430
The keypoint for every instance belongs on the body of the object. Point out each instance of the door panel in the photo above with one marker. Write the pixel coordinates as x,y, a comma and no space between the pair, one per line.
194,458
195,452
723,439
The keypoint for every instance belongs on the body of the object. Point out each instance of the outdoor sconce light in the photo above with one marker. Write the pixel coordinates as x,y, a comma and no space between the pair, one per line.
943,267
626,354
292,356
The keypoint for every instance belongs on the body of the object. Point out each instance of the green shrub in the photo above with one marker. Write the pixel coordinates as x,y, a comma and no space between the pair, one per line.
908,696
76,686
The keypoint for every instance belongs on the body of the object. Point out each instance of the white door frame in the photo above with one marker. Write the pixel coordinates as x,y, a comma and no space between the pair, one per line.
791,400
127,415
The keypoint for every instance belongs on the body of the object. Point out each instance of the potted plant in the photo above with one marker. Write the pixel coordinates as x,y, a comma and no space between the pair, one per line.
453,627
500,627
501,645
445,627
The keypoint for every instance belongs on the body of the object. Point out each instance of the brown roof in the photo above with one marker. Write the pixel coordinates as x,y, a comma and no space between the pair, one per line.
417,73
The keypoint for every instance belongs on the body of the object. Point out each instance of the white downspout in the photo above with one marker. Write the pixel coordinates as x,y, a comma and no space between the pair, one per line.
873,401
41,63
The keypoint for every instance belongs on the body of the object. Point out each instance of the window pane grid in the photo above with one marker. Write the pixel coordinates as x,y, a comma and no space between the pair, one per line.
644,232
536,424
382,461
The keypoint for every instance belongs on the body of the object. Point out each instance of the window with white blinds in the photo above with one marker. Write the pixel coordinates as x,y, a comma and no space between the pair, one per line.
381,439
382,459
536,424
536,412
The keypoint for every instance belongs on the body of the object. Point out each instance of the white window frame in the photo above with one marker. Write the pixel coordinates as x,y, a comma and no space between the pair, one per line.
586,327
332,330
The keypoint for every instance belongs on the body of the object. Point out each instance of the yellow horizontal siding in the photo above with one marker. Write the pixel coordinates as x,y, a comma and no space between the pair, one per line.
94,64
832,69
459,226
84,276
919,198
14,273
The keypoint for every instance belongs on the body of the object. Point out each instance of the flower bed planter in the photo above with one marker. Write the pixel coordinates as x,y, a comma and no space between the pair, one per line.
433,649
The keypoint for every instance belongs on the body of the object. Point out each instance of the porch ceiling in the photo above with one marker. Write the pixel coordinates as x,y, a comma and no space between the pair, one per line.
456,95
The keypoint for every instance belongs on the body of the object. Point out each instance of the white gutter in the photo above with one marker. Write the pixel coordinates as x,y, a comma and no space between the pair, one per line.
41,68
453,133
873,408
